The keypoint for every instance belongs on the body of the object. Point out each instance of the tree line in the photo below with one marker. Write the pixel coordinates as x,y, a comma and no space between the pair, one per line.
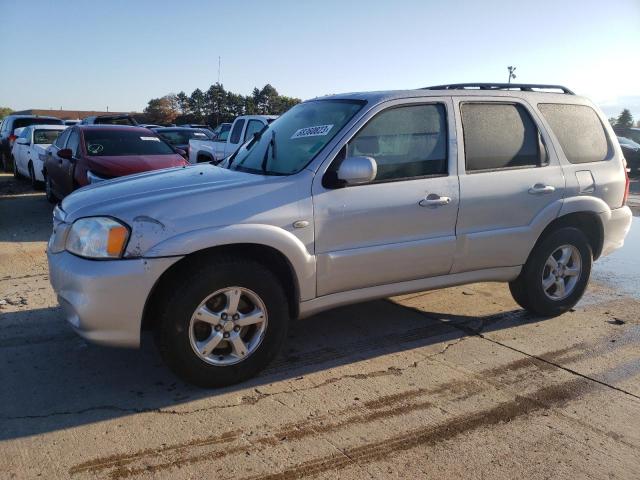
624,120
216,105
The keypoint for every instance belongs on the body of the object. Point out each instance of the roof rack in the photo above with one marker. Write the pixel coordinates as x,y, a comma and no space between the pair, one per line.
525,87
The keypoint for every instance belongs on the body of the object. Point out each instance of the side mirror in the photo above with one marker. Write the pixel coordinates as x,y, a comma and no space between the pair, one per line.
65,153
357,170
181,152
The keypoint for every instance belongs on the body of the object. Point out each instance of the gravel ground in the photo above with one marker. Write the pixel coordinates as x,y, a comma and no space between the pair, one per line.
447,384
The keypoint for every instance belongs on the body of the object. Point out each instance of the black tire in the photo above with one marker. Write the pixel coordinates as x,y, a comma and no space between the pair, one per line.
5,162
528,291
48,190
196,281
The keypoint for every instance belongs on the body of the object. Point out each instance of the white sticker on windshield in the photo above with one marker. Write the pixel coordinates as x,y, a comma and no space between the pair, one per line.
153,139
317,131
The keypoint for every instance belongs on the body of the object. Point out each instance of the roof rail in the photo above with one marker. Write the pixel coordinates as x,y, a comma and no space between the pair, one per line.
525,87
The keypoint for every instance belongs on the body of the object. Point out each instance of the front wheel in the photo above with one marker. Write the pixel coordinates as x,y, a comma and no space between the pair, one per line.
224,321
48,190
556,274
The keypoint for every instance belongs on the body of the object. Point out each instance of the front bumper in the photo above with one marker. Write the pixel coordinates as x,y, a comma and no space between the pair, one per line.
616,226
104,300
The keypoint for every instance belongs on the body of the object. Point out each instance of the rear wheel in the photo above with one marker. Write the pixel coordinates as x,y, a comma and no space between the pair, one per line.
32,176
5,162
556,274
225,320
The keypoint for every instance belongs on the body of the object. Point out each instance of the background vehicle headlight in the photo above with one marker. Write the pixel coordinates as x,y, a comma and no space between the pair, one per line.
97,237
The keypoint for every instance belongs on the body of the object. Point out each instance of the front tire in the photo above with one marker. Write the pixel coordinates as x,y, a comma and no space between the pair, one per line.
48,190
225,319
556,274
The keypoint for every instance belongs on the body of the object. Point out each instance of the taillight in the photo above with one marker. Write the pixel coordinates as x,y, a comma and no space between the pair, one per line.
12,138
625,197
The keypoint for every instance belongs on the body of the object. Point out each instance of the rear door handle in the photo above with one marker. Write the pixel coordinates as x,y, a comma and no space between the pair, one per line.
434,200
541,189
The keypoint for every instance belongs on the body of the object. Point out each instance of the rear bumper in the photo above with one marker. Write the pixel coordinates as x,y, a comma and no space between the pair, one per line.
616,225
104,300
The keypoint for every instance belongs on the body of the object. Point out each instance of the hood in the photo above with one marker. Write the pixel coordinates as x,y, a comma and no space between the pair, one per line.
163,203
117,166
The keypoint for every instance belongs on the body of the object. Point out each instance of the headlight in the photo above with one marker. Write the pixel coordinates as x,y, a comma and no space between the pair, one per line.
97,237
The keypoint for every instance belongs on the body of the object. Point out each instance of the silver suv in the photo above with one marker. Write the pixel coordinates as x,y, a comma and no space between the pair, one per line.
343,199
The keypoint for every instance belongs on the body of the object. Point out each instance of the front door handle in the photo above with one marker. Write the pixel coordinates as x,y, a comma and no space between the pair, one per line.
541,188
434,200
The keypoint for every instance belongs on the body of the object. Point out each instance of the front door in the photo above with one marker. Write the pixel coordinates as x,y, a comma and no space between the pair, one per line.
401,226
511,183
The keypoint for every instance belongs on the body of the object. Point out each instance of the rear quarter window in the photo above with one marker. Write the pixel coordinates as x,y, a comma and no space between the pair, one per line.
578,130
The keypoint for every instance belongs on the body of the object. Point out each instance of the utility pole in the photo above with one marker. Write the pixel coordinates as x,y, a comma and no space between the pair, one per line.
219,63
511,74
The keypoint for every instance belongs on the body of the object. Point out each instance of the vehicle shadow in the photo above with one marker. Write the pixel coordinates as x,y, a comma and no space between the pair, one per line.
52,379
14,212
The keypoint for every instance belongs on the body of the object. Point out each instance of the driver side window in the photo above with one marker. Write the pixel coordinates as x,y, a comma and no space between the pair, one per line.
74,143
406,142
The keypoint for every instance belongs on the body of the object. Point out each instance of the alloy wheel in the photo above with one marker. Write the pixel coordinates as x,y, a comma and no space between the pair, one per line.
228,326
561,272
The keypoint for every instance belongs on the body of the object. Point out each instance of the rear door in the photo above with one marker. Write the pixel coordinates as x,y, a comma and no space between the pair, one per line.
21,150
400,227
511,182
235,138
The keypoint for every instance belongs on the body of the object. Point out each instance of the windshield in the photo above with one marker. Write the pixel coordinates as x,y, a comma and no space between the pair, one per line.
288,144
45,137
102,143
181,137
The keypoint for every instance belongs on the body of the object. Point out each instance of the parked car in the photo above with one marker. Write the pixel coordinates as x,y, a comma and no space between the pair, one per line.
149,125
179,137
70,123
86,154
195,125
221,147
221,132
631,151
29,150
632,133
342,199
8,136
109,120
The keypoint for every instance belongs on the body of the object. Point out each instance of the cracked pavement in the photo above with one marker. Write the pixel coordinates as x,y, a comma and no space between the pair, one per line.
452,383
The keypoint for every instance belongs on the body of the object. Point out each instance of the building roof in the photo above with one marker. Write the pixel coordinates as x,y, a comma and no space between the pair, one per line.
69,114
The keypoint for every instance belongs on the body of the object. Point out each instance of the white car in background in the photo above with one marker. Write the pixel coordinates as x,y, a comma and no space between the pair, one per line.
30,148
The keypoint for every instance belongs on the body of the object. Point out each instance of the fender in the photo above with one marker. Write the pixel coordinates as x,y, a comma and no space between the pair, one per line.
585,203
303,264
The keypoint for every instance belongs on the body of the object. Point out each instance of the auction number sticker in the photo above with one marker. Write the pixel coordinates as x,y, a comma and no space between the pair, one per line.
153,139
317,131
94,148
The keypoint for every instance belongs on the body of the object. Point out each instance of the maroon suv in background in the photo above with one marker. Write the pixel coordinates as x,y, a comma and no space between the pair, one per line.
86,154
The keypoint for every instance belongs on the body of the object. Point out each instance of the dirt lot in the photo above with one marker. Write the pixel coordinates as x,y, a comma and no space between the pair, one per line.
448,384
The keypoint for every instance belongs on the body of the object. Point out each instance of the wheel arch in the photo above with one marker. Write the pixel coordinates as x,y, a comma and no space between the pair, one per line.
588,222
268,256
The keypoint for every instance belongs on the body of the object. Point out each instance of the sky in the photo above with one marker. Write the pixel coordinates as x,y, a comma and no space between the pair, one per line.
121,53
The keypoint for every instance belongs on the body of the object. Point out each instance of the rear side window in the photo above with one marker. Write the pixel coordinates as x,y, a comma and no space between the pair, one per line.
237,131
579,131
499,136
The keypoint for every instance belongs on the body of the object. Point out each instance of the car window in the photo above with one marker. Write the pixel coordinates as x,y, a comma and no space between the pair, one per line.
45,137
406,142
254,126
62,139
74,143
579,131
223,135
102,142
25,122
498,136
237,131
181,137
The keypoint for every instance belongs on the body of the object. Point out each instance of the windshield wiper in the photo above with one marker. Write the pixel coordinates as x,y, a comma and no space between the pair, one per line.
272,144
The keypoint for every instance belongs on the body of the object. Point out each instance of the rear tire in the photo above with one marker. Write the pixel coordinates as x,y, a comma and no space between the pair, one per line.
5,162
16,174
556,274
184,340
